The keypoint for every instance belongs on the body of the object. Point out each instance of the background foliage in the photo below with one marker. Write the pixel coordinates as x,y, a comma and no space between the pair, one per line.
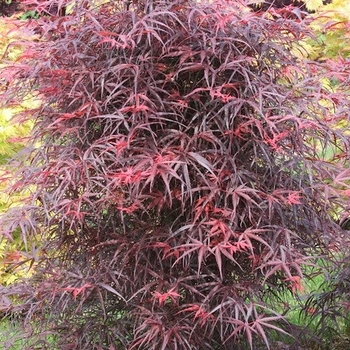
331,26
13,137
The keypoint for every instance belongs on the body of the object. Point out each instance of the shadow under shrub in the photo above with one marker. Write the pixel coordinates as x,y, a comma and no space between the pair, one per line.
184,164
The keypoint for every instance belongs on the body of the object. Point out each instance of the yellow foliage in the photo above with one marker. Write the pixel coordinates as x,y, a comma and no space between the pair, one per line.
10,38
331,25
13,264
313,5
12,138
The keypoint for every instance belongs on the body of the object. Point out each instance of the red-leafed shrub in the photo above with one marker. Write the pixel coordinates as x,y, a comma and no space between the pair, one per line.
187,164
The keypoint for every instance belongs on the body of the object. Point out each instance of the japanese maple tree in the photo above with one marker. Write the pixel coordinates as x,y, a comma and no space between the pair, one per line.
188,162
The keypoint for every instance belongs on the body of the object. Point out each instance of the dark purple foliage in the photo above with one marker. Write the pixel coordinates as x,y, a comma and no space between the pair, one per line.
268,4
187,166
8,8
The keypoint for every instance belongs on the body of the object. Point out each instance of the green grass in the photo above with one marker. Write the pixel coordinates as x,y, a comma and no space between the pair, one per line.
337,331
10,337
13,337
